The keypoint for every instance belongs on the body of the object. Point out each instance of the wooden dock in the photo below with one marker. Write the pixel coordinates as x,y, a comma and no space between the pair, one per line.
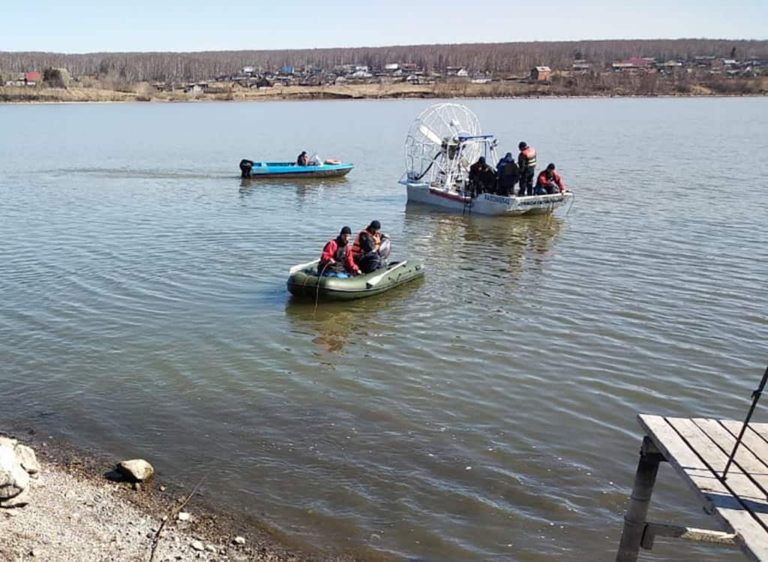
699,449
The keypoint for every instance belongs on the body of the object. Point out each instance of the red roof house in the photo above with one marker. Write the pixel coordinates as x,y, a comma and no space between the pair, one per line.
32,77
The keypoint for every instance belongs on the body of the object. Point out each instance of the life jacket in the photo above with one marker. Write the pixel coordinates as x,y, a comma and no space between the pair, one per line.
357,250
529,153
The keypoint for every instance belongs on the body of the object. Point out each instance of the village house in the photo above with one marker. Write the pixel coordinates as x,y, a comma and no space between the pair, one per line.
540,73
25,79
32,78
633,65
669,67
581,65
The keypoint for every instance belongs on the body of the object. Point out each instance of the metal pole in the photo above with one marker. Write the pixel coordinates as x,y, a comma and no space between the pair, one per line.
755,398
637,511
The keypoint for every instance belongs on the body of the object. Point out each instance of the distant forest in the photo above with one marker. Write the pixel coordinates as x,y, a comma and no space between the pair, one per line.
496,58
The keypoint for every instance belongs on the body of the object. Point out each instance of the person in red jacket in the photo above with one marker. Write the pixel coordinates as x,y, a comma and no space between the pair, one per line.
337,260
549,181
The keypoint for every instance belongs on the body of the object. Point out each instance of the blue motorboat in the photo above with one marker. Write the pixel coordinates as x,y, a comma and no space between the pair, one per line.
325,169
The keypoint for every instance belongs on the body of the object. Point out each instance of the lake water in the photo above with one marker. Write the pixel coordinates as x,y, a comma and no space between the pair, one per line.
485,413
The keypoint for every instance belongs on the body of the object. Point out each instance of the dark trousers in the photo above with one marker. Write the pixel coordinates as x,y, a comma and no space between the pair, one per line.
507,185
370,262
526,182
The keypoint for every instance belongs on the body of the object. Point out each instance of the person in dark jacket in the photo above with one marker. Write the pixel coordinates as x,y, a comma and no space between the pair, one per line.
507,175
366,248
337,260
302,159
482,178
527,163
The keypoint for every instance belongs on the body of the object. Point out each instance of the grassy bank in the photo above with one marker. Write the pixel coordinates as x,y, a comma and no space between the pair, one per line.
559,88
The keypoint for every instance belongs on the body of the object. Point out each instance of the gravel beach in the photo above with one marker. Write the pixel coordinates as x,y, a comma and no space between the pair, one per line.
76,513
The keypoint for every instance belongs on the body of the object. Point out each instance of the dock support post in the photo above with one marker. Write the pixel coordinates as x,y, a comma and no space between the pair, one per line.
634,520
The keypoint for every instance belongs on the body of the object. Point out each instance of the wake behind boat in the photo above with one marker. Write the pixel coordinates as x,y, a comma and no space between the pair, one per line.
442,143
328,168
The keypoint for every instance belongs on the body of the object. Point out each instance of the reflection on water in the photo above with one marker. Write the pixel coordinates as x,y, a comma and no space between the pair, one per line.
506,246
332,324
483,413
301,186
329,327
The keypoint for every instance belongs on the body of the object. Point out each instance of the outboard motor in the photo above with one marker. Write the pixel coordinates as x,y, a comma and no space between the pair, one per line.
245,168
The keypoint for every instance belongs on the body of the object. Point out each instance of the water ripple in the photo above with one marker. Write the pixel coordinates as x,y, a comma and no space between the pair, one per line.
484,413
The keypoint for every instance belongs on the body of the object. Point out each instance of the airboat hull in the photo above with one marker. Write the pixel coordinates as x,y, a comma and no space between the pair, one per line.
487,203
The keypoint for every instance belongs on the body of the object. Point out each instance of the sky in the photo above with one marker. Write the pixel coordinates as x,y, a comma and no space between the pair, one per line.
87,26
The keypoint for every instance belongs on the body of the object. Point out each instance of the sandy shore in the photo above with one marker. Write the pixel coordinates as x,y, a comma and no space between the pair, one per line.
75,513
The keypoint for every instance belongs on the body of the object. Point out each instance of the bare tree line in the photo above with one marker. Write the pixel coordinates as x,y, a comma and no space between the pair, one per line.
497,58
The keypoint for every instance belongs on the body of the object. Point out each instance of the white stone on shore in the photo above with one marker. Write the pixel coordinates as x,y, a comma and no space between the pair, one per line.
197,545
183,516
137,470
14,480
19,500
28,460
239,540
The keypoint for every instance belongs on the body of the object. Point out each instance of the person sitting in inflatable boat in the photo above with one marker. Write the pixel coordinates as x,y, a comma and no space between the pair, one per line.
371,248
337,259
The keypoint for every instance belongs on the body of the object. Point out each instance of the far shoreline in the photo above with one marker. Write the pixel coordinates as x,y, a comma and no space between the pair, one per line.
524,91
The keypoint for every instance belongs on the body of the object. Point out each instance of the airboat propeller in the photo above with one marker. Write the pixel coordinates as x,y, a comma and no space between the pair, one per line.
434,138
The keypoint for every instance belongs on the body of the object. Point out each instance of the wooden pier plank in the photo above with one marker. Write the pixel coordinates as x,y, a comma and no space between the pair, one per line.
739,485
750,534
754,438
746,461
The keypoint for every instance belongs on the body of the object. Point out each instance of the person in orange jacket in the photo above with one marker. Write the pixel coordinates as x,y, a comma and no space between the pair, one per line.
337,259
526,161
367,246
549,181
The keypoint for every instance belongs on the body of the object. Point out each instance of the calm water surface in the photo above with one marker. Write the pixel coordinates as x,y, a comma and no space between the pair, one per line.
485,413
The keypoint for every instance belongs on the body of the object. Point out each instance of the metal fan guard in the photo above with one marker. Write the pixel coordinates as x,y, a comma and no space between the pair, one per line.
443,122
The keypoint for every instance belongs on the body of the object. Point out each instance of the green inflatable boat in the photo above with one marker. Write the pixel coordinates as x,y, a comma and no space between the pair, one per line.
304,281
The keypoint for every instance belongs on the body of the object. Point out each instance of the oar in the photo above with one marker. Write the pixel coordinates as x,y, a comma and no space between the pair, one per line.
375,280
297,268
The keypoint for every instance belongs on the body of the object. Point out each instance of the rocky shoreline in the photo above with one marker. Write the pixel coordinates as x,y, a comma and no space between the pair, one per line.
71,509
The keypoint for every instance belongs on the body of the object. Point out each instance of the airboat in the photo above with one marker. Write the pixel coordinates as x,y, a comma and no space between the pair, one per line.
442,143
